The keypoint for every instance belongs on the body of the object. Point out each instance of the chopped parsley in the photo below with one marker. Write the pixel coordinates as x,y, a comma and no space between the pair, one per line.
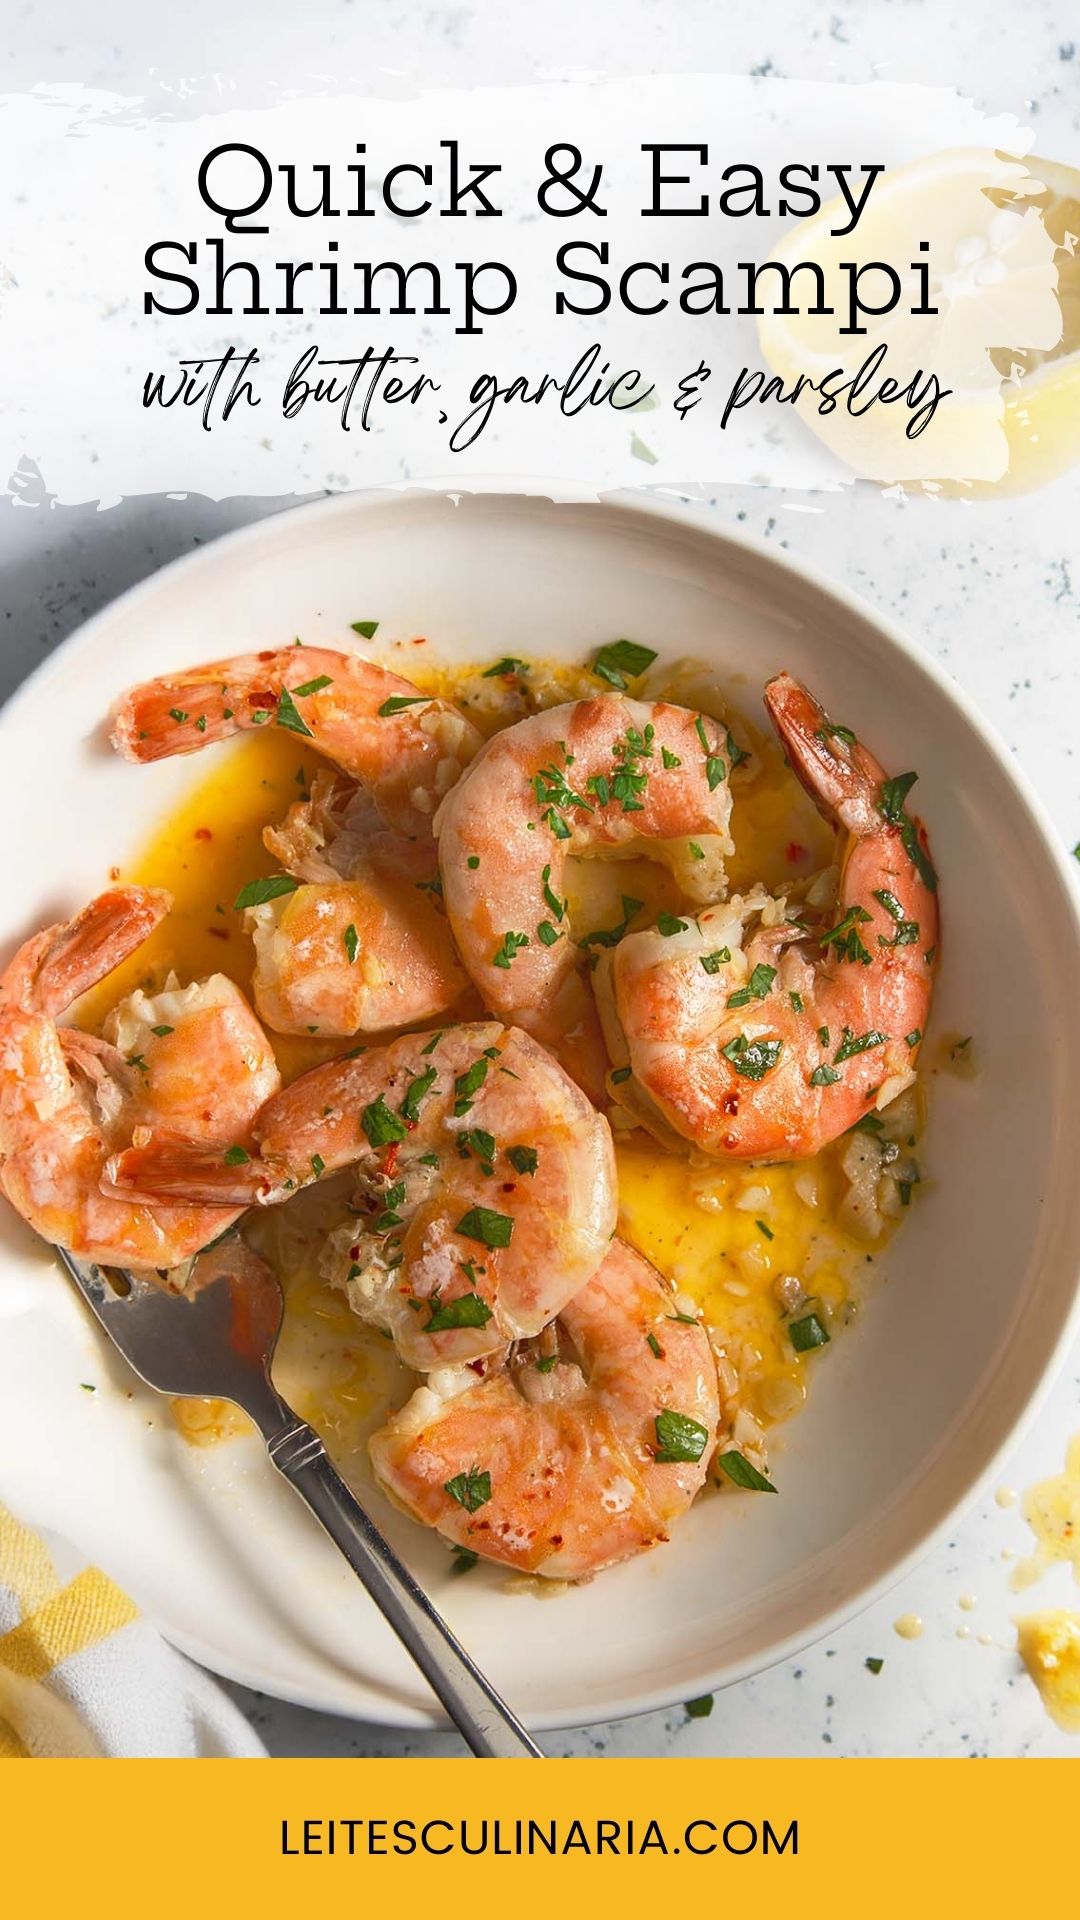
619,1075
473,862
398,702
236,1156
825,1076
766,1230
524,1160
715,770
504,666
160,1032
464,1560
891,807
743,1473
668,924
851,1043
669,759
137,1060
912,1039
610,936
467,1084
479,1141
735,753
678,1438
257,892
551,899
623,660
318,1165
511,943
629,780
416,1091
907,931
700,1708
719,957
289,715
468,1310
874,1664
808,1333
547,1363
756,988
380,1125
654,1346
484,1224
553,797
830,732
752,1058
796,1002
471,1490
547,934
367,629
176,714
312,686
352,943
847,939
432,1043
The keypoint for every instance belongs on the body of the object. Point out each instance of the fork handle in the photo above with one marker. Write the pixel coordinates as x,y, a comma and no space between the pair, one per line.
483,1720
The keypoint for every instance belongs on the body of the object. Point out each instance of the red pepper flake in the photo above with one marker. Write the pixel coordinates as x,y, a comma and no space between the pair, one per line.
794,852
390,1158
266,654
476,1366
203,833
257,700
114,873
219,933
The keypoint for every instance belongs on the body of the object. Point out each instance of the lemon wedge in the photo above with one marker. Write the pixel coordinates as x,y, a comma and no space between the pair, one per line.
1001,266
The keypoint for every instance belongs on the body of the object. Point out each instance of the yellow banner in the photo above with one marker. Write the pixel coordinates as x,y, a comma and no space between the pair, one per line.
831,1837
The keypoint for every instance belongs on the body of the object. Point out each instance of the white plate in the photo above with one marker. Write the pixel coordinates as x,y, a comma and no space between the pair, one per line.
907,1412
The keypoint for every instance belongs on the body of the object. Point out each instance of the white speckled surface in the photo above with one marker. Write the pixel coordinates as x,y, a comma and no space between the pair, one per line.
992,590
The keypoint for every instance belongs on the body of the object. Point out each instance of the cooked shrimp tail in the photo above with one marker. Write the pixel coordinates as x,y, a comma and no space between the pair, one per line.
159,1167
56,967
407,747
193,1059
838,772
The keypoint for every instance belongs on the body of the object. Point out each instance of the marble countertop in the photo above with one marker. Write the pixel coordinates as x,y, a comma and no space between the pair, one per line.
991,590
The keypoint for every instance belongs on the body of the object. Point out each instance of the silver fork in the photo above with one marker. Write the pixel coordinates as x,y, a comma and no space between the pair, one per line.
219,1342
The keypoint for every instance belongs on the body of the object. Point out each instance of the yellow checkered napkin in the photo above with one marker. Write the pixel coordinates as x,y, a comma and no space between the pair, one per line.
83,1675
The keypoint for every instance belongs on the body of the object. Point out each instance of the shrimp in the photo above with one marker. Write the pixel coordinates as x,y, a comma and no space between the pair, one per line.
578,1452
592,777
192,1059
487,1189
406,747
363,944
761,1035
